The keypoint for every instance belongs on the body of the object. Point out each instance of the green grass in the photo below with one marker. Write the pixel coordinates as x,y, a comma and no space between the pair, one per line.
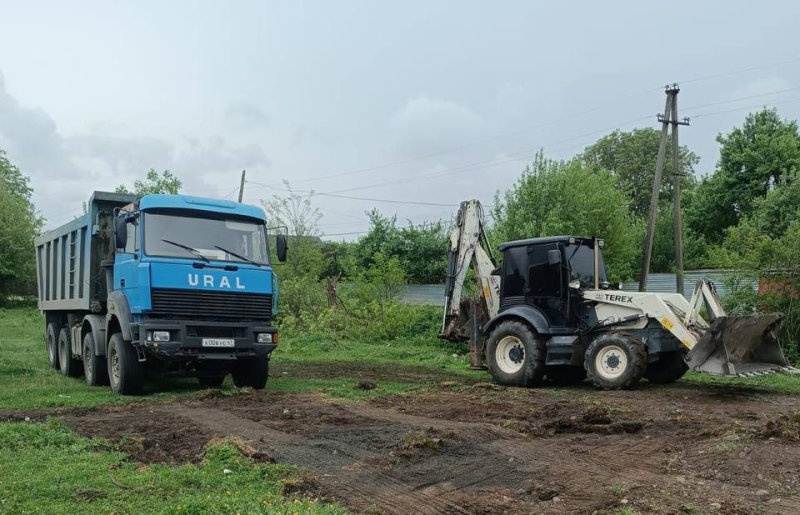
47,468
786,383
27,382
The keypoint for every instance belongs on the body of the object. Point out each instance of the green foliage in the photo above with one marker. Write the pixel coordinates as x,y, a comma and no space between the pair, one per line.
631,158
19,224
165,183
421,249
753,160
48,468
568,198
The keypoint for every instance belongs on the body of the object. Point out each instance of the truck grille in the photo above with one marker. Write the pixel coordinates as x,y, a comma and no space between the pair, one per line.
211,304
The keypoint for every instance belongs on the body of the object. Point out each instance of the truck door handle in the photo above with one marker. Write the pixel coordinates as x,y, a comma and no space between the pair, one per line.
122,283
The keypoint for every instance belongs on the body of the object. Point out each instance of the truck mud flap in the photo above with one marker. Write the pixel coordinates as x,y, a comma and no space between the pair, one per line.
740,346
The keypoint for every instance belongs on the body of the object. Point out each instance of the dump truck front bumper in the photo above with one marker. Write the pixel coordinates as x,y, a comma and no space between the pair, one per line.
190,340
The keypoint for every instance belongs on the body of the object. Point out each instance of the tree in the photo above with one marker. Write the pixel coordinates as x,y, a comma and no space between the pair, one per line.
297,213
566,197
165,183
754,159
19,224
631,158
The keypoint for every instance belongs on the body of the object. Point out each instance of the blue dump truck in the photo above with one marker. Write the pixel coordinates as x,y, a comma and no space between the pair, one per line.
160,285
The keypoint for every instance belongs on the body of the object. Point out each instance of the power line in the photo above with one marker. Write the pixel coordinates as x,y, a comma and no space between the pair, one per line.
387,201
770,93
754,106
737,72
529,129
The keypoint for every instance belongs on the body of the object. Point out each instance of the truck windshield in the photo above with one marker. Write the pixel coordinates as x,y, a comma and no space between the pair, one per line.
221,239
581,263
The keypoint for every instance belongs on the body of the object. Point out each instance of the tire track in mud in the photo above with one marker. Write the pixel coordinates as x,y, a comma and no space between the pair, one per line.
342,470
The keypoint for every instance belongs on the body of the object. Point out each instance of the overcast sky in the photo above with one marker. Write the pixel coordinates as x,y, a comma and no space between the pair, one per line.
431,102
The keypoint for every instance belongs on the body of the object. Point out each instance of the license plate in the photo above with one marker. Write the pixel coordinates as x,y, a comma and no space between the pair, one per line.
218,342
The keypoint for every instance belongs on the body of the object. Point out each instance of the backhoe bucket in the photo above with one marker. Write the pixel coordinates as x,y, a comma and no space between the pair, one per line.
740,346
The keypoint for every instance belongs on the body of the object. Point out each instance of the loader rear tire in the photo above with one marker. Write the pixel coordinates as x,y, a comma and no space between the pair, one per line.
667,369
51,339
68,365
514,355
615,361
124,370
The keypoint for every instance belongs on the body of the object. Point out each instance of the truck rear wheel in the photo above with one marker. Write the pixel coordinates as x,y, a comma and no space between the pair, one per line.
514,355
124,369
252,373
68,365
51,339
615,361
95,368
668,368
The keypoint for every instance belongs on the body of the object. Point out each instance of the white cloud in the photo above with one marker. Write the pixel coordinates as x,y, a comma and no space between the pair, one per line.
427,124
66,169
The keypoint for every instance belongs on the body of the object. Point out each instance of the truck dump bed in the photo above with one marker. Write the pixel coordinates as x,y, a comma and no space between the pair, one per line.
69,258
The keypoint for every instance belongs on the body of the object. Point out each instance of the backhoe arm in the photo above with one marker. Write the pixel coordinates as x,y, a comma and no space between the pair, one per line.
467,247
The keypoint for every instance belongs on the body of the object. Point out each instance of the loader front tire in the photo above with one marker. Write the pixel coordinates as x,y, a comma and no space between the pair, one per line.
615,361
514,355
666,369
124,370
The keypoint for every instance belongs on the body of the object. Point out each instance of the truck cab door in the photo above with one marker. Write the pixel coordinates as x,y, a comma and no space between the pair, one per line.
126,262
546,287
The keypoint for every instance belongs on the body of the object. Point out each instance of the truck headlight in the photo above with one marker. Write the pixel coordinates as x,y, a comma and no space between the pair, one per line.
264,338
161,336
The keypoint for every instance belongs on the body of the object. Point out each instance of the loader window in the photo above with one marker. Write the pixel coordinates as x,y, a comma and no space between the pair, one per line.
581,263
544,279
515,261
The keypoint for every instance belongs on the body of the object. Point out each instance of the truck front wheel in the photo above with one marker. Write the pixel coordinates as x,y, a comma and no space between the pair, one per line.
252,373
124,369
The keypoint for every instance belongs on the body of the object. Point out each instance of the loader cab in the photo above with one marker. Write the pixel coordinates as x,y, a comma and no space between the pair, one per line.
538,272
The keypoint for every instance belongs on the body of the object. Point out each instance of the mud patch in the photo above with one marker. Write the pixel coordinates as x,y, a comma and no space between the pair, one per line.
147,436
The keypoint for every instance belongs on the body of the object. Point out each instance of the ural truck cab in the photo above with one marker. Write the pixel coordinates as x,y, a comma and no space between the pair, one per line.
160,285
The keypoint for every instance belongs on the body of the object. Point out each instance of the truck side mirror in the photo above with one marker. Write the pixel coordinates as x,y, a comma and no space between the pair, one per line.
280,247
554,257
121,232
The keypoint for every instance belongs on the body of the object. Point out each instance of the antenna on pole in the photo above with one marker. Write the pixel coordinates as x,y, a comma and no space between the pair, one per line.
241,185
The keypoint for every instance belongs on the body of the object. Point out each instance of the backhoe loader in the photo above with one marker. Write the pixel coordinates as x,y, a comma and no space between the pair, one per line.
548,312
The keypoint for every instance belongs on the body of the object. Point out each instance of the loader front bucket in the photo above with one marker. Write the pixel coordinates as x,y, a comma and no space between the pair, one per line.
740,346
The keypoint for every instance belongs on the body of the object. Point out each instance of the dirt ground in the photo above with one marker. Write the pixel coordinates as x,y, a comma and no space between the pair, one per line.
478,448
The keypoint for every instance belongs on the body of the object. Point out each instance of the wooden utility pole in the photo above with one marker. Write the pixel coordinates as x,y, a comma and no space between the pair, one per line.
670,117
241,186
676,192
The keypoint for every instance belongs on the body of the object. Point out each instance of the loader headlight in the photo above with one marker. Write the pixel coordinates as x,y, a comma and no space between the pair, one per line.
161,336
264,338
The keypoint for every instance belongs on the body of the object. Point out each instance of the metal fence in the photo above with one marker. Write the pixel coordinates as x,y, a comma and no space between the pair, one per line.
433,294
723,280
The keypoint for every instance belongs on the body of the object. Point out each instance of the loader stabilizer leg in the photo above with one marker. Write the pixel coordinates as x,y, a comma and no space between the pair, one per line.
740,346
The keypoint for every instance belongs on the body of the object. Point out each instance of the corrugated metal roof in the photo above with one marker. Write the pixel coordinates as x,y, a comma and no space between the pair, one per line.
722,279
